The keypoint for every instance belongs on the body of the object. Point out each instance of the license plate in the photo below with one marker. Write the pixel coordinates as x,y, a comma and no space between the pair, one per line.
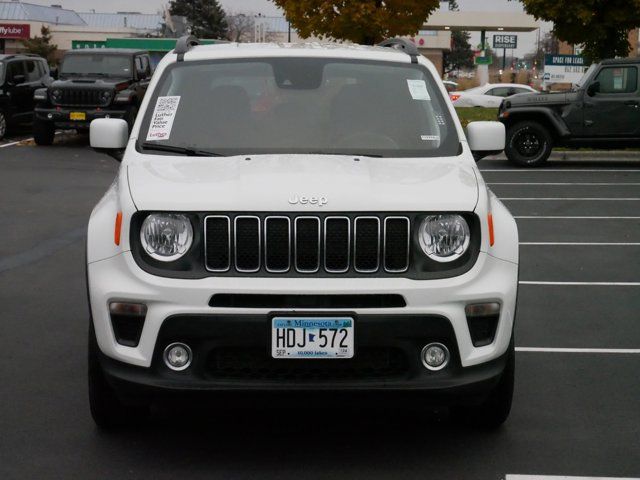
78,116
312,337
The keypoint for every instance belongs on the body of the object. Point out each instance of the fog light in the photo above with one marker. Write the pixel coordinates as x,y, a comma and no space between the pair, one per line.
435,356
177,356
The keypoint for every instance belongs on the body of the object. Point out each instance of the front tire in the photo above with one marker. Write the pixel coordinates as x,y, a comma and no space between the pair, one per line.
494,411
3,125
43,132
107,409
529,144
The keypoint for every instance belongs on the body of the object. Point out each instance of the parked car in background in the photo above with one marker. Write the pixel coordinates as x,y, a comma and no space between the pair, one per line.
489,95
450,86
93,83
20,76
602,111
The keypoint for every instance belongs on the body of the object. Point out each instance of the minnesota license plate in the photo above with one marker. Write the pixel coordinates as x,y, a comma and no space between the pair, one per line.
78,116
312,337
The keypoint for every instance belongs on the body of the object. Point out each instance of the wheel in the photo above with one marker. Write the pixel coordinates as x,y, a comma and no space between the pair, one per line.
3,125
529,144
107,410
495,410
43,132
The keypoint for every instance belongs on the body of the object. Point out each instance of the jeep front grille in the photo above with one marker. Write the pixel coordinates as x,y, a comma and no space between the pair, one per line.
307,244
81,98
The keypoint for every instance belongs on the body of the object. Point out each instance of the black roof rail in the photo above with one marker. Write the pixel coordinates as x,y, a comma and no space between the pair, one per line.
184,44
403,45
18,55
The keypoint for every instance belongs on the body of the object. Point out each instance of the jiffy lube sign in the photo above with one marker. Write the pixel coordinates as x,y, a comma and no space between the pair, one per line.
14,30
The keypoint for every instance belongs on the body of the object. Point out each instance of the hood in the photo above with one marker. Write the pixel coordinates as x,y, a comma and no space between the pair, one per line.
529,99
302,183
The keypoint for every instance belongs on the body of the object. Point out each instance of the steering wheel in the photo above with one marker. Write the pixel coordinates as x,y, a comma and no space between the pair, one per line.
368,139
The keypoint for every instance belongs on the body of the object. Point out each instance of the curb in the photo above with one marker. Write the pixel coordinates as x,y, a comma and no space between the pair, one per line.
600,155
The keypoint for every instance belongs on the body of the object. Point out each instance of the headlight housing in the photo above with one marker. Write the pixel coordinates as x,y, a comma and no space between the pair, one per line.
166,236
444,238
56,94
105,96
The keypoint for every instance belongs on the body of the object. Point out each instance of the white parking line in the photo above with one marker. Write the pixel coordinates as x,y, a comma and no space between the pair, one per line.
618,351
14,143
582,284
571,199
556,477
589,244
519,170
597,184
552,217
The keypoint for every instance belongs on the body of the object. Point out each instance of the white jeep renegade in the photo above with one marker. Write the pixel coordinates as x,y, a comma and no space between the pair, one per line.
299,220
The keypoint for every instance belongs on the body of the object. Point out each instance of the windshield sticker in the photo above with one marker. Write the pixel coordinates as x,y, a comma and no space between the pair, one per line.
430,138
162,119
418,89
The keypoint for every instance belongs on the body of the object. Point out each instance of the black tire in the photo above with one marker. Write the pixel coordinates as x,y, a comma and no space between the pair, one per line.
529,144
43,132
494,411
4,125
107,409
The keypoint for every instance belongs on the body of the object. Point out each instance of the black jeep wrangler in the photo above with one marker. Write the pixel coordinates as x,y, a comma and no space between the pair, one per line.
602,111
20,76
93,83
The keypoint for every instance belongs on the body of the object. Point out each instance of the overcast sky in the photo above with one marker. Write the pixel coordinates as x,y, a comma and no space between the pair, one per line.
266,7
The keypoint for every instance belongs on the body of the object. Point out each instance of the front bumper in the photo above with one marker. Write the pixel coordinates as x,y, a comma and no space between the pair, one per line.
230,354
119,278
60,116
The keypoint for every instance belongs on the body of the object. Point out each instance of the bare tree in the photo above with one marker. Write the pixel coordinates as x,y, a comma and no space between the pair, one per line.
241,27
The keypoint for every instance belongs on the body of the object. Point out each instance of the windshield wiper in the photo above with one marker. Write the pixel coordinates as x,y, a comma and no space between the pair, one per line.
189,152
346,154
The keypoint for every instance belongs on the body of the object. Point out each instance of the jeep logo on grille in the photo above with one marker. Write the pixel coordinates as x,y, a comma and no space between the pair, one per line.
302,200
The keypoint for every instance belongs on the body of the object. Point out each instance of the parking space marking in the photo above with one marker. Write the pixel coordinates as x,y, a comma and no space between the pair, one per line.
571,199
549,170
618,351
552,217
582,284
562,477
13,143
588,244
591,184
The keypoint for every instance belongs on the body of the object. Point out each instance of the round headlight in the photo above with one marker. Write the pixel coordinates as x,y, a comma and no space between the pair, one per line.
166,236
444,238
56,94
105,96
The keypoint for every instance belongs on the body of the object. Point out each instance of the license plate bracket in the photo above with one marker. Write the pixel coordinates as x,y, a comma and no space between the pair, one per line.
312,337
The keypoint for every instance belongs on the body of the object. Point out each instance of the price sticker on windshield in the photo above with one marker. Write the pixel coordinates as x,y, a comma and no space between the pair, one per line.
418,90
162,119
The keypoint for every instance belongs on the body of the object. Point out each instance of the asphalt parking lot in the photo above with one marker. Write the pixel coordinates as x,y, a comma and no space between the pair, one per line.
577,400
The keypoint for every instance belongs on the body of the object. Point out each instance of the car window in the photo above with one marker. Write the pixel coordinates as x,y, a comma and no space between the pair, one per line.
44,68
499,92
96,64
618,79
13,69
139,65
32,71
1,72
522,90
302,105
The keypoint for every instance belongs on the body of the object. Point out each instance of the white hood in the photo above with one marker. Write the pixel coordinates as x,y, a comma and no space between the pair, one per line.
267,183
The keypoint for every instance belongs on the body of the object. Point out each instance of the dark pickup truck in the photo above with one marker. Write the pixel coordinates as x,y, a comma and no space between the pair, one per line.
602,111
93,83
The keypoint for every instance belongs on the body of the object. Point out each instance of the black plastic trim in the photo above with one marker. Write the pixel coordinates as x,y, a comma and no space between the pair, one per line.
247,300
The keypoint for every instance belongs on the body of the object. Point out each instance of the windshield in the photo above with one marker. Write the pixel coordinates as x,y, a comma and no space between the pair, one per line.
583,80
300,106
96,64
1,72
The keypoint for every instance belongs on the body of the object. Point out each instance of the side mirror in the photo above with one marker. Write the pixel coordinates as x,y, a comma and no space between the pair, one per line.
486,138
593,89
110,136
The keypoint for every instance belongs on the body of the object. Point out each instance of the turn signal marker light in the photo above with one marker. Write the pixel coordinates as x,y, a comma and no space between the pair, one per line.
454,97
492,238
118,229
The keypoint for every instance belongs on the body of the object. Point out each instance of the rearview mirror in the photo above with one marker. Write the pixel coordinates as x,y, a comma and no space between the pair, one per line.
593,89
110,136
486,138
